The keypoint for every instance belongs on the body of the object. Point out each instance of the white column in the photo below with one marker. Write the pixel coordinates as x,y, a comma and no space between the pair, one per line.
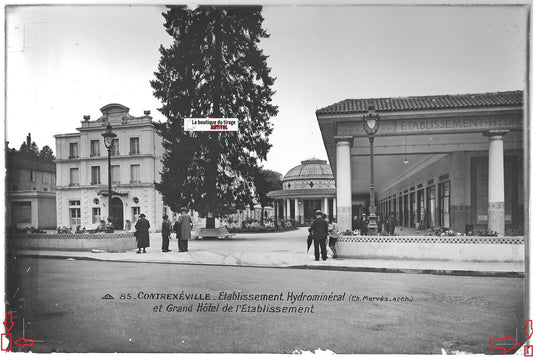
326,208
296,211
344,183
496,207
334,207
288,212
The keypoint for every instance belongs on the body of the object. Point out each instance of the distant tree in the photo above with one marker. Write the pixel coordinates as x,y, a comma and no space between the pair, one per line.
266,181
24,148
47,153
32,150
213,69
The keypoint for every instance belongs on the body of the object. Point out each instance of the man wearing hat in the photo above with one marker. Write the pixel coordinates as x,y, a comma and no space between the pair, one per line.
142,235
166,227
184,234
319,231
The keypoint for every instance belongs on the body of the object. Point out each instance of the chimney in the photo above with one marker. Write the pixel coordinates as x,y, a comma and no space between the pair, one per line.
86,117
28,140
146,113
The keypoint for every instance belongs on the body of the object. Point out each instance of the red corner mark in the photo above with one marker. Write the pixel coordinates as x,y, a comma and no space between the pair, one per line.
529,328
25,342
8,321
504,343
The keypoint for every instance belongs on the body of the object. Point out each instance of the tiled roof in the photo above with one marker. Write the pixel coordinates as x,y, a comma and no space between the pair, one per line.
311,168
424,103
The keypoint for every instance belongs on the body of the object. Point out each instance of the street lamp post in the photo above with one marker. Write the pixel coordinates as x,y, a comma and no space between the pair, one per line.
371,125
108,141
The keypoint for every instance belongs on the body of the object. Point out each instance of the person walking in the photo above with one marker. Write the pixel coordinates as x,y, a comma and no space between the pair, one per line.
392,224
319,230
165,233
364,225
333,235
142,235
185,225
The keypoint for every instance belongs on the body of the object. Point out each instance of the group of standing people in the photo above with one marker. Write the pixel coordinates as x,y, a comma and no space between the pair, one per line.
182,227
318,232
386,226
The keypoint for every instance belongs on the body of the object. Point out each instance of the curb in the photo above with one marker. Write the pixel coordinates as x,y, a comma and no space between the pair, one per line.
508,274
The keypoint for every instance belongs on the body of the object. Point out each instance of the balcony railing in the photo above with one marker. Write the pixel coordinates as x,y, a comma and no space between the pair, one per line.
73,157
95,182
135,181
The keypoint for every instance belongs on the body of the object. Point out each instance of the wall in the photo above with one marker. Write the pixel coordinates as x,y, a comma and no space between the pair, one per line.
75,242
47,213
450,248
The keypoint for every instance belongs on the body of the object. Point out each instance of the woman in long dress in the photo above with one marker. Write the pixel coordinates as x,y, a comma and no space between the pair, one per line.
142,235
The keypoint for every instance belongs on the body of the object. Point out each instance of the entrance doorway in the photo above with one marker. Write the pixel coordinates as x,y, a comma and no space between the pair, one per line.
117,209
310,207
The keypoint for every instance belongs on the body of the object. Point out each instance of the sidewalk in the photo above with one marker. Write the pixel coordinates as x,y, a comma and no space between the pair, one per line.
281,250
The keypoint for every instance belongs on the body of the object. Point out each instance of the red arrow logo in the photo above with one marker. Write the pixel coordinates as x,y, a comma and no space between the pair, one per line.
506,350
26,342
529,328
9,323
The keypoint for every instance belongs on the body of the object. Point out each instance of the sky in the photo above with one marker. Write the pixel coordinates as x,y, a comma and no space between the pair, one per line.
64,62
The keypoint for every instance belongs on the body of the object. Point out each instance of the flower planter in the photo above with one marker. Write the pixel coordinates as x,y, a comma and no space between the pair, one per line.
118,241
444,248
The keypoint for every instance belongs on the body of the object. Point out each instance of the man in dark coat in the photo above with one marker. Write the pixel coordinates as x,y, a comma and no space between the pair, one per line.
392,224
319,231
142,235
185,226
165,233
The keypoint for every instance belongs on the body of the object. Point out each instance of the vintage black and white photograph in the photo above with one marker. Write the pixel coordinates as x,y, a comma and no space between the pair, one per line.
259,178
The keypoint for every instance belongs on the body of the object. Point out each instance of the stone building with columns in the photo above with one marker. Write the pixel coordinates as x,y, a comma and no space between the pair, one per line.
454,161
306,188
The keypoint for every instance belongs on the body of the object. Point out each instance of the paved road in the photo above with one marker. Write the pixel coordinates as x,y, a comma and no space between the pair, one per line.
62,306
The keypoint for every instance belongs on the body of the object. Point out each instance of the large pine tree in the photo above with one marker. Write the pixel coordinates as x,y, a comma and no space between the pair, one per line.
213,69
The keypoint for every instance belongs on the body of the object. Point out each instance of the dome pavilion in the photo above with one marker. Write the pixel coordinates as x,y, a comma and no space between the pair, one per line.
306,188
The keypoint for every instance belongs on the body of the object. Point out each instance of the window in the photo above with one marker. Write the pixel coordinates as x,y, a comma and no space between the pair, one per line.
32,175
95,175
95,148
134,145
75,213
21,212
431,206
444,204
74,177
420,208
412,209
400,215
45,177
135,173
73,150
75,217
114,148
115,174
96,215
135,212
